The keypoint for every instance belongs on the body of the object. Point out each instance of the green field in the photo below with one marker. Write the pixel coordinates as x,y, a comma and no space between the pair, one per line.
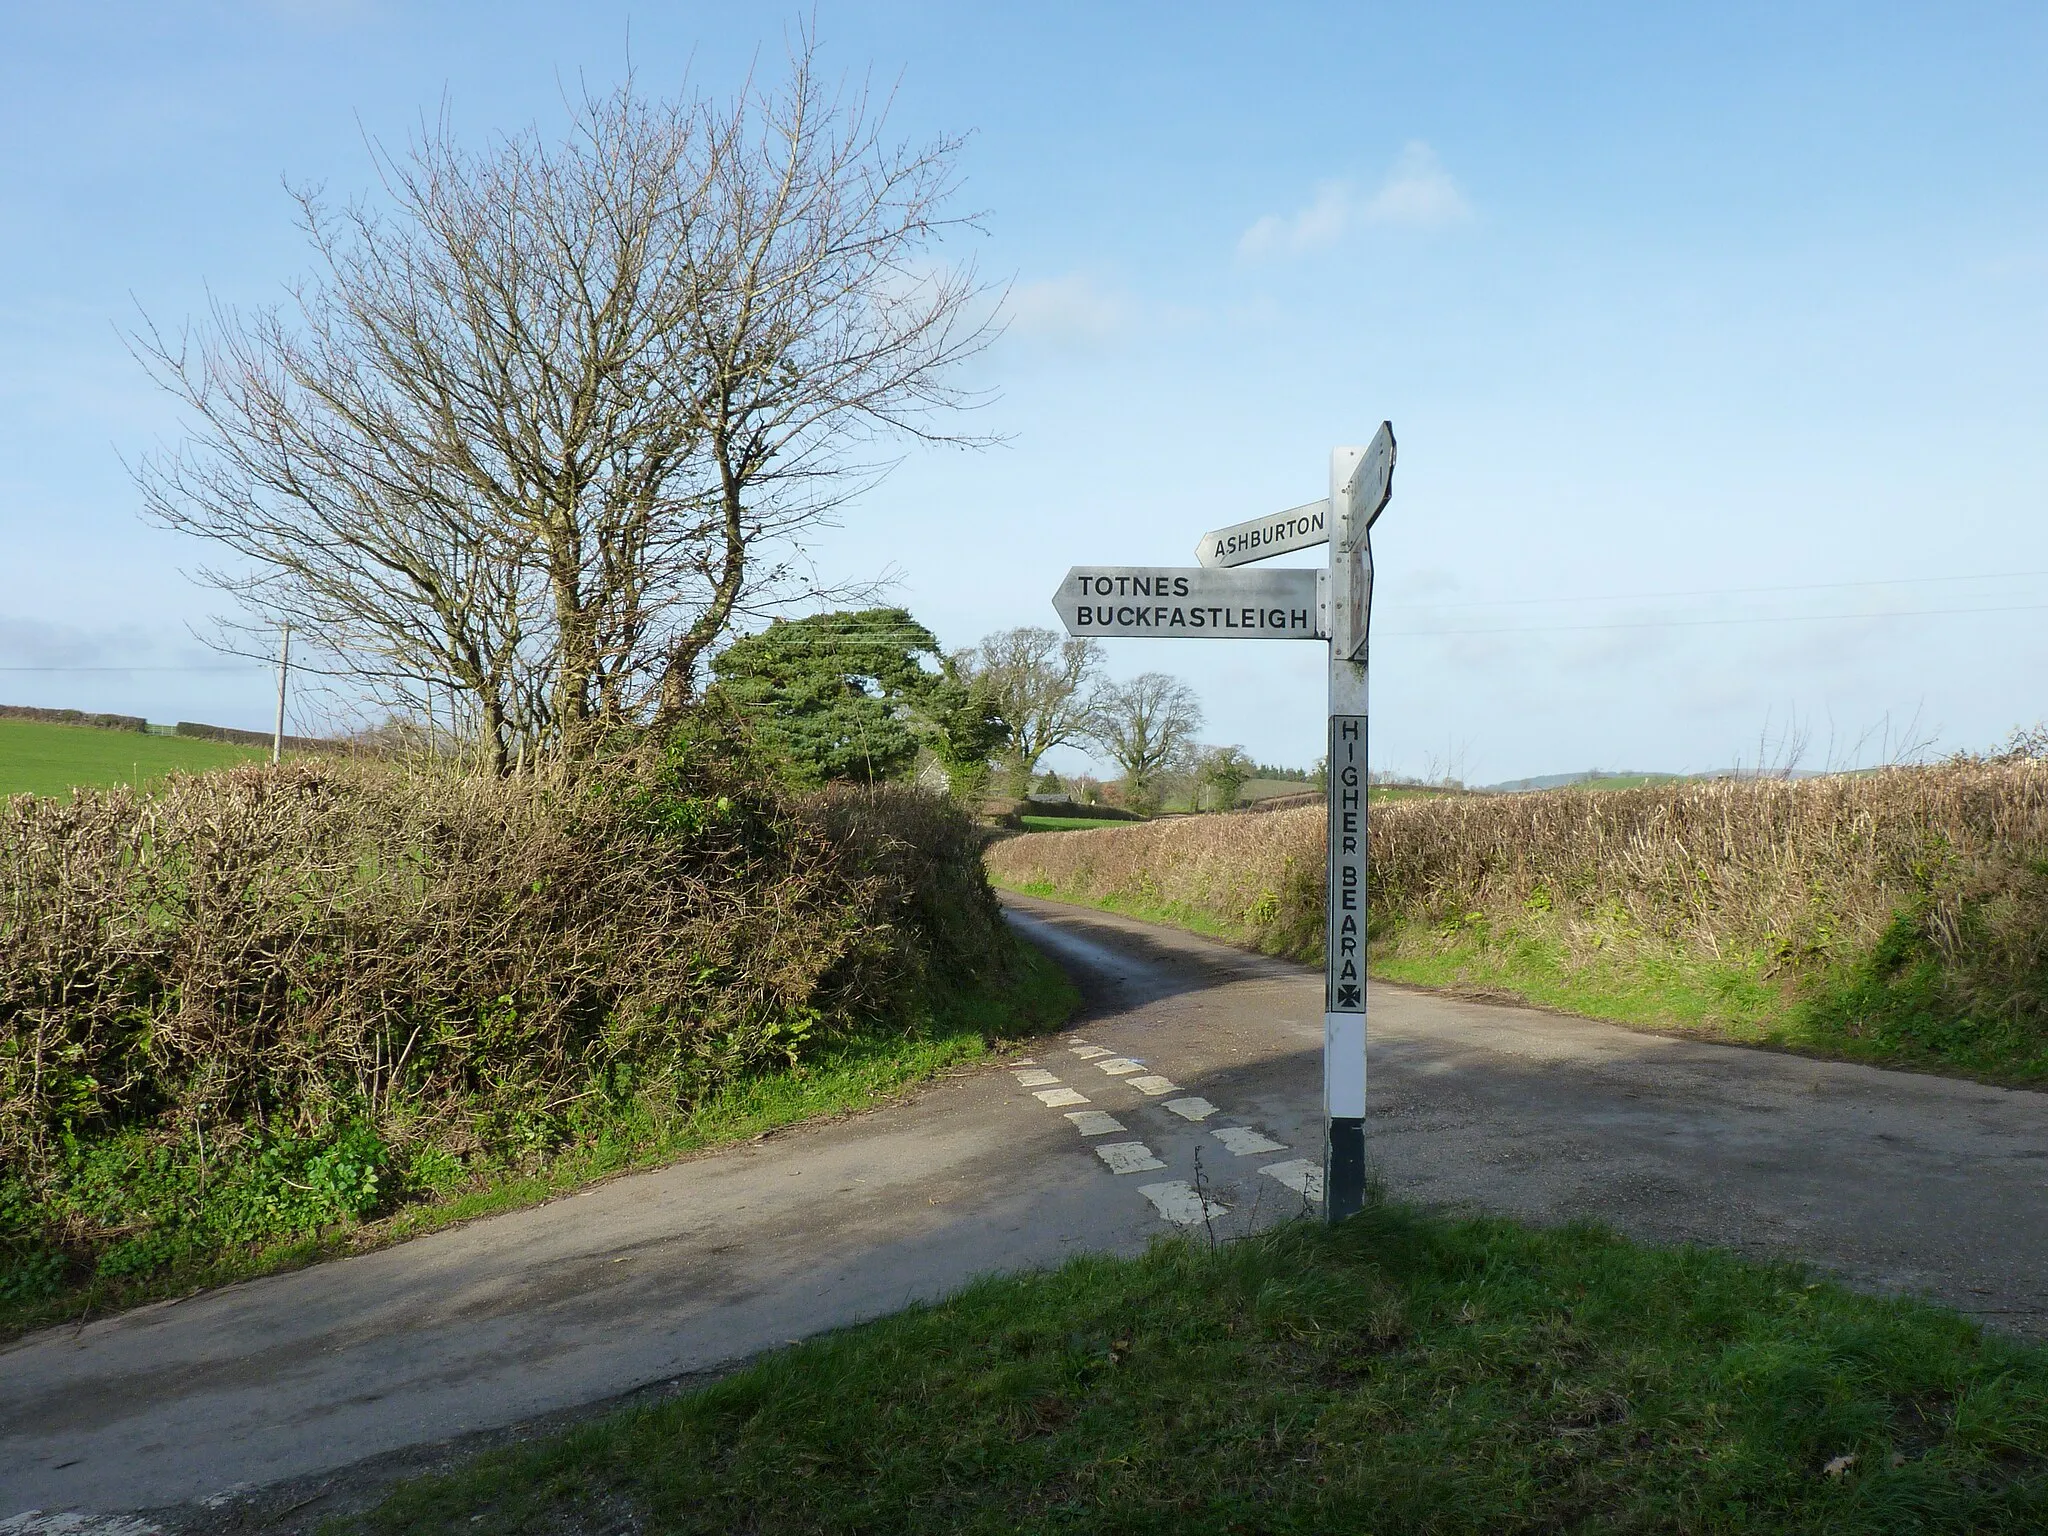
37,758
1594,780
1625,780
1257,791
1405,1372
1068,823
1248,793
1272,789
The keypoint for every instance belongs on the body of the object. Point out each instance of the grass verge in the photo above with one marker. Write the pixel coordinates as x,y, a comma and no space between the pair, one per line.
39,758
1886,1008
1403,1373
955,1031
1066,823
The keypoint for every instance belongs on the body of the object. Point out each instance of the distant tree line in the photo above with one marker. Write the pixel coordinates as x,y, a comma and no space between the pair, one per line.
869,695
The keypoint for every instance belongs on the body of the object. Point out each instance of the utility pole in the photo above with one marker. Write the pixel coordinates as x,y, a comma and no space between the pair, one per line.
284,667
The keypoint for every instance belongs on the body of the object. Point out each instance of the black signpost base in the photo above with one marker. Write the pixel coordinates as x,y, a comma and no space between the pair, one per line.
1344,1169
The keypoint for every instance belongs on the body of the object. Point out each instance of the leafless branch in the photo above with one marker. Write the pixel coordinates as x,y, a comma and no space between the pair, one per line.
548,420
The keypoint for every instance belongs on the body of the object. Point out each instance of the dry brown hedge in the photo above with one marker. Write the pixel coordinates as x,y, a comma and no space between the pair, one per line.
264,947
1809,871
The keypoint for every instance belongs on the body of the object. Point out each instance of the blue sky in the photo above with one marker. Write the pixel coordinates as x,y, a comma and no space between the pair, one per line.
1669,306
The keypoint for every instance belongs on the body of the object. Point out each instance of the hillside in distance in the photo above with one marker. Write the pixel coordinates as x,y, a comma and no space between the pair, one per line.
1591,778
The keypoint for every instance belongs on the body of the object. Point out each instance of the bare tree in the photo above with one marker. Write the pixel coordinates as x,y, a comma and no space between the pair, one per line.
1146,725
1887,744
1042,686
1779,756
2027,743
553,417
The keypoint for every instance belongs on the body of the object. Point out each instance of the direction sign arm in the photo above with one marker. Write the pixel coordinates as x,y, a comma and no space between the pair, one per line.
1365,489
1261,538
1190,603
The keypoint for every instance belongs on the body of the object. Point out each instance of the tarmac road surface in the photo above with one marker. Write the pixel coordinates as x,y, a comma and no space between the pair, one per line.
1187,1093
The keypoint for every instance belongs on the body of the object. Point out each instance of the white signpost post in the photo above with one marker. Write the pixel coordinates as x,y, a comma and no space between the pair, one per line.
1215,602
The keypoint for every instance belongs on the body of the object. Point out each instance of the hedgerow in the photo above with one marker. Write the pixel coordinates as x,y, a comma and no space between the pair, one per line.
262,998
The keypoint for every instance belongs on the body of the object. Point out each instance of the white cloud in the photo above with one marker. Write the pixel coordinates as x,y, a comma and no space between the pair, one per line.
1069,310
1321,223
1417,193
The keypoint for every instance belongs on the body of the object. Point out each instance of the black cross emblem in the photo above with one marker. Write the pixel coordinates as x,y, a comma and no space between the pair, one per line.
1347,997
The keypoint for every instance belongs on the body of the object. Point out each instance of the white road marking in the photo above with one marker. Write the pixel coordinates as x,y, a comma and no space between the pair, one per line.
1246,1142
1127,1156
1090,1052
1059,1098
1117,1066
1301,1176
1152,1085
1036,1077
1191,1108
1177,1201
1093,1122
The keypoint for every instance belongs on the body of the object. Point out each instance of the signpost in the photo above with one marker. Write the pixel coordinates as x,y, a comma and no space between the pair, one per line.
1361,480
1190,603
1216,602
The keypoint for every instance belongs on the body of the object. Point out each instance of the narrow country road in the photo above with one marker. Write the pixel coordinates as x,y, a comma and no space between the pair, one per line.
1187,1092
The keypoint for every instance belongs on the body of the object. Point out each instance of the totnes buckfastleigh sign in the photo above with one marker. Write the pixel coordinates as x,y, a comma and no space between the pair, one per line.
1191,603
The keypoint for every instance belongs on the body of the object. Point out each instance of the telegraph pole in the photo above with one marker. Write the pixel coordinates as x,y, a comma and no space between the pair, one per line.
284,666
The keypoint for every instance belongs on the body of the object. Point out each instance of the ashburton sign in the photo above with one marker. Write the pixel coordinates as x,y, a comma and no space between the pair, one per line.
1263,537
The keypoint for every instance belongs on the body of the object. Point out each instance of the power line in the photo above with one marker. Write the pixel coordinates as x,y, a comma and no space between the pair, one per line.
1781,618
1632,597
818,636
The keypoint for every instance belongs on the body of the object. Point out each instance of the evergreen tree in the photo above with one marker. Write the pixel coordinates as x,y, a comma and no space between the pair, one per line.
853,695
